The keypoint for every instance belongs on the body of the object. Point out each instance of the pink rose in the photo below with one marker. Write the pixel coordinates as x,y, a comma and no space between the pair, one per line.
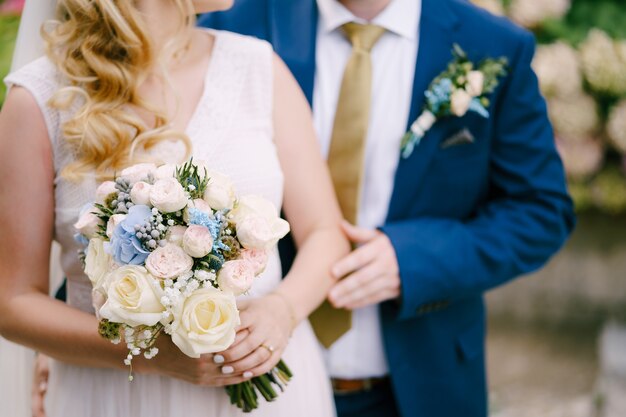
168,196
460,102
236,277
114,221
88,224
169,262
475,83
197,241
98,299
175,234
138,172
197,204
257,258
165,171
140,193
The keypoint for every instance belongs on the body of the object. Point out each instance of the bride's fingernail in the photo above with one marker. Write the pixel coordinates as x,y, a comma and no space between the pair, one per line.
227,370
218,359
248,374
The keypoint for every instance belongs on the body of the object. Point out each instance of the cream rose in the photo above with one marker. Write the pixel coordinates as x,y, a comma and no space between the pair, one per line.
165,171
98,262
197,204
138,172
88,223
236,277
257,258
169,262
257,223
475,83
205,322
133,297
104,190
197,241
460,102
175,234
140,193
114,221
168,196
220,191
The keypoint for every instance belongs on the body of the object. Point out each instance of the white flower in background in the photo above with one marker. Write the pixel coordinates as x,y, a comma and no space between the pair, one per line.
558,69
133,297
114,221
582,158
257,258
531,13
140,193
574,118
197,241
205,322
175,234
236,277
169,262
104,190
165,171
604,63
220,191
168,196
88,223
257,223
460,102
616,127
197,204
493,6
98,262
138,172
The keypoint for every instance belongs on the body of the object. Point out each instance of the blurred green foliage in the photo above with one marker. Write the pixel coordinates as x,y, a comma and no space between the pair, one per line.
608,15
8,32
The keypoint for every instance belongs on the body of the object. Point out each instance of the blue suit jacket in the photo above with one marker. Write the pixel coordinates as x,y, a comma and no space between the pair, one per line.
462,219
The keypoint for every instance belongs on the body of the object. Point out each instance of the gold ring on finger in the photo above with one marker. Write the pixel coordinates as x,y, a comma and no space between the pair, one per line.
269,348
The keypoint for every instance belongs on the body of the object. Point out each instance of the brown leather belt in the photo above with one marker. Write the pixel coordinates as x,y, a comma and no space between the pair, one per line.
353,386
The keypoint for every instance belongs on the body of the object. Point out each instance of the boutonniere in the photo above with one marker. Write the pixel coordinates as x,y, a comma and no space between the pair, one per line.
463,87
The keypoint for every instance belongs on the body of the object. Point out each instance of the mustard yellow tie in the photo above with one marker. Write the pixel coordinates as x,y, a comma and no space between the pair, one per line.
346,158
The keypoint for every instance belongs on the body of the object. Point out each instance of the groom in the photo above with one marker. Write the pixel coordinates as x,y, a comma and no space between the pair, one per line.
479,201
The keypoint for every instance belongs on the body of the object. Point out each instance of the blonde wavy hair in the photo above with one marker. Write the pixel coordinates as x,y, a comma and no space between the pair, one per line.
104,50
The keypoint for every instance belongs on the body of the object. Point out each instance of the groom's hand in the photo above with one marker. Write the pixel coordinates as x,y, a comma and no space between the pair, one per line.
371,271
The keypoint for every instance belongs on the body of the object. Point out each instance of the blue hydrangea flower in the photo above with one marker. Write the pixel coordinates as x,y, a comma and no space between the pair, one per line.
125,248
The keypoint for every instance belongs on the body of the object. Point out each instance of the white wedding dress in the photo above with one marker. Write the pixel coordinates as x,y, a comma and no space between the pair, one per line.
232,129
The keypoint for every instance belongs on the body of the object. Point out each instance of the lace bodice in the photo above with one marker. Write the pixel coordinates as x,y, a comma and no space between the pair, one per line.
231,128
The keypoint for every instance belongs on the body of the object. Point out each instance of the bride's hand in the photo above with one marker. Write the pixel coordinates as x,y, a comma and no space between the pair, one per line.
173,363
266,325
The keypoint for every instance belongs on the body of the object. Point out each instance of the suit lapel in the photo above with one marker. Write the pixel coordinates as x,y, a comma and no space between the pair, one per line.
293,28
437,24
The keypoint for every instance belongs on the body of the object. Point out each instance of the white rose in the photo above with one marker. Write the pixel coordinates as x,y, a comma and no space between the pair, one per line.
114,221
460,102
133,297
205,322
197,241
197,204
165,171
475,83
88,223
138,172
140,193
104,190
175,234
257,223
169,262
168,196
220,191
236,277
98,262
257,258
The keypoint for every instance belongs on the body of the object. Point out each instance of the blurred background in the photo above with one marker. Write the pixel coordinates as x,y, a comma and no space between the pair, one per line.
557,339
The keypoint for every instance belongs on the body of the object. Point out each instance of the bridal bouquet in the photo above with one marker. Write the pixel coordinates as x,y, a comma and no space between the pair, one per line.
167,251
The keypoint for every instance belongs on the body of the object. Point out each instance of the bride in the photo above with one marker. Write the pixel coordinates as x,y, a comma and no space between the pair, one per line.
125,81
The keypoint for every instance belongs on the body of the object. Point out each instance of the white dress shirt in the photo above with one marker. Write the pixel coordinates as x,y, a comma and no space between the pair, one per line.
359,353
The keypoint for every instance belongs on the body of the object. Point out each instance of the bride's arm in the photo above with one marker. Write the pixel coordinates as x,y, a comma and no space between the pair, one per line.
28,316
313,212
